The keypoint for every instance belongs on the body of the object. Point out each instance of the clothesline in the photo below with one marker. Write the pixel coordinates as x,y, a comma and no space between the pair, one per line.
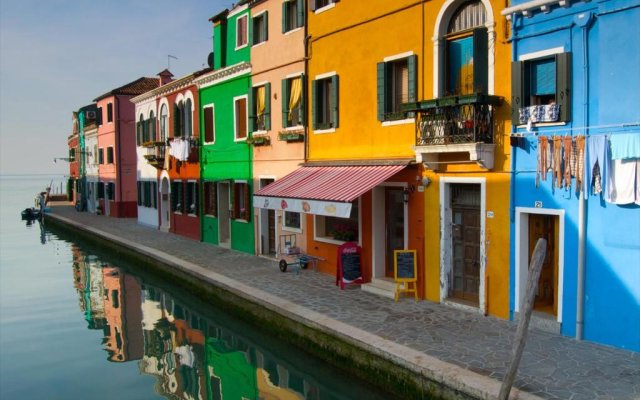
553,130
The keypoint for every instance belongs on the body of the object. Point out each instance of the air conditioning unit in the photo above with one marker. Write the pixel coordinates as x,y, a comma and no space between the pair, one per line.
90,114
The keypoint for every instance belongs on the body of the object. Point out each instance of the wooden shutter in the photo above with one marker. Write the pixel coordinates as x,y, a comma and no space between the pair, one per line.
267,106
176,120
314,104
265,26
285,16
247,203
383,94
303,100
335,98
412,66
252,110
299,13
208,124
517,91
233,187
138,135
284,97
563,85
480,60
154,194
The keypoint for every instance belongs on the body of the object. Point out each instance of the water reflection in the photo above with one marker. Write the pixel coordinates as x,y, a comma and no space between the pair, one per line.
191,355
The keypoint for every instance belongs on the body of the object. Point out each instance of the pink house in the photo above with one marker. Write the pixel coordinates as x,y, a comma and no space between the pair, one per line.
117,190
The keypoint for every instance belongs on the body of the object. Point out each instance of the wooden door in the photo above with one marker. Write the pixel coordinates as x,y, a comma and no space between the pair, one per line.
394,225
545,226
465,232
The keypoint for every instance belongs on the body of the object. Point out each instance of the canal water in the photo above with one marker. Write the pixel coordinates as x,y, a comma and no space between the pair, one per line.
76,323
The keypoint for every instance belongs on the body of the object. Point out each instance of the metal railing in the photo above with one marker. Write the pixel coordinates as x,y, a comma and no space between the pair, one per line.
454,119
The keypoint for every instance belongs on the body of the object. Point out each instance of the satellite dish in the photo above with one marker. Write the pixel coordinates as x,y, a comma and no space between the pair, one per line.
210,60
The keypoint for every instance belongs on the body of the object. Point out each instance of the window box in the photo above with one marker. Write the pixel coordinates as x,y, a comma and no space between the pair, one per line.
260,140
151,144
291,136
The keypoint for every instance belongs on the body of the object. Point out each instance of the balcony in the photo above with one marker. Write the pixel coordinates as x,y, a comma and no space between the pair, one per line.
155,153
455,124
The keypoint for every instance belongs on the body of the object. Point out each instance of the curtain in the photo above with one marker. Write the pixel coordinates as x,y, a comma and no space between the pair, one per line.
296,95
260,101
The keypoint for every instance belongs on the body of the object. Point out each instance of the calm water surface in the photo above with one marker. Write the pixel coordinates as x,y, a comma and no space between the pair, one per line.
76,324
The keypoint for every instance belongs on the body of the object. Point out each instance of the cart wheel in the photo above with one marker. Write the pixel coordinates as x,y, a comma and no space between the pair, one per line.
283,265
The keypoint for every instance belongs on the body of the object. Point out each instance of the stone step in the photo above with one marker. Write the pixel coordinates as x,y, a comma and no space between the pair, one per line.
381,287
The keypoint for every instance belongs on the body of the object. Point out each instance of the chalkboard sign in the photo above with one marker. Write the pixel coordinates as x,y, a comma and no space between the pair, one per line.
404,262
351,269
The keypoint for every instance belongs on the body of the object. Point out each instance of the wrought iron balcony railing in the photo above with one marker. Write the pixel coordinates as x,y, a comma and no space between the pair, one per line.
454,119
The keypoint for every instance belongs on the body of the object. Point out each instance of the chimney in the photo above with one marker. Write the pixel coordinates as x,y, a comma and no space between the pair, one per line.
165,77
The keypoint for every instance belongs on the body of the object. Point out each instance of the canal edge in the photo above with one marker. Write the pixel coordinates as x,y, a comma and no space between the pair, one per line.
430,375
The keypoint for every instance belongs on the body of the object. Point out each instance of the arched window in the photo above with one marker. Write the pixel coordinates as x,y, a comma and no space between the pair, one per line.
466,51
163,122
188,123
140,130
152,127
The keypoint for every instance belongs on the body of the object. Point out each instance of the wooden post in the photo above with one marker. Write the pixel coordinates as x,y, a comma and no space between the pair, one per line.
535,267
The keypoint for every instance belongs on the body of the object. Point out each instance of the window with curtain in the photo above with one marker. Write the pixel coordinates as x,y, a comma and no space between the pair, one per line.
164,117
192,198
292,109
292,15
339,229
210,199
261,108
260,28
241,201
397,85
177,196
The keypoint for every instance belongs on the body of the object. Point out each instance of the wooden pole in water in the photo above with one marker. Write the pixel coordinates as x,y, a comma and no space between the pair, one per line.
535,267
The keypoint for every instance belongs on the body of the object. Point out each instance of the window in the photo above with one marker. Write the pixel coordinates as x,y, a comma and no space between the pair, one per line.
260,28
187,126
241,201
151,130
147,194
466,47
101,156
101,190
140,130
325,103
210,199
241,31
164,117
177,197
340,229
153,195
110,190
292,102
178,123
397,85
99,115
72,154
541,89
110,112
95,154
240,117
140,193
110,155
191,201
209,124
292,220
292,15
318,4
261,108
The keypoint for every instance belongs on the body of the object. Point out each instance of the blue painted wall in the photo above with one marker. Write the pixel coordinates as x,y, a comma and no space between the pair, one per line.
612,275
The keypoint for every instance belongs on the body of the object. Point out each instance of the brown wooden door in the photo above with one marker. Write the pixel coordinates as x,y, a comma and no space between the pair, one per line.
465,232
394,225
271,217
545,226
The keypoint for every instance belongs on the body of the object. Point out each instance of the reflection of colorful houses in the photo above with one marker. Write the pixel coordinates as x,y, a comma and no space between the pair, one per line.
123,334
90,157
230,374
226,156
573,67
116,148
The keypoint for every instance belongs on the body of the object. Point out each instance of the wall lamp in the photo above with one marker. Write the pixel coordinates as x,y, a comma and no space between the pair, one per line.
405,195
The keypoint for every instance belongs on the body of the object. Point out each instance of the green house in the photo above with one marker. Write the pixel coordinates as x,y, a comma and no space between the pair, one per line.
226,157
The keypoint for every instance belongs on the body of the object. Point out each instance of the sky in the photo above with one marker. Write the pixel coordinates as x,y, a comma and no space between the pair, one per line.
58,55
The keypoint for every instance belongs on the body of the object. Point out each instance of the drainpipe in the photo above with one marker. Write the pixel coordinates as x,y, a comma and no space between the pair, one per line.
512,183
583,20
118,158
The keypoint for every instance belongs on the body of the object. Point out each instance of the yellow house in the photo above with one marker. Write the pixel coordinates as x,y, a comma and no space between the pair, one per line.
408,126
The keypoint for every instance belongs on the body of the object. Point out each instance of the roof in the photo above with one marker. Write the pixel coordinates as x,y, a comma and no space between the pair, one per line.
219,16
137,87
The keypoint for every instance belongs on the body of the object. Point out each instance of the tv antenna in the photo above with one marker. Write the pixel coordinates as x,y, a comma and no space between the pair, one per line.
169,57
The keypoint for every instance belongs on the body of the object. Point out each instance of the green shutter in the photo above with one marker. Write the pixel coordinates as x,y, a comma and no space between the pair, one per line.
139,193
517,92
154,194
299,13
382,90
335,97
314,104
284,96
138,141
285,16
563,85
412,66
252,109
176,120
480,60
265,26
267,106
303,100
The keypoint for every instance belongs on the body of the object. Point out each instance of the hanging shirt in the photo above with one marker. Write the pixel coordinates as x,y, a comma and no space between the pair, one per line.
622,188
625,146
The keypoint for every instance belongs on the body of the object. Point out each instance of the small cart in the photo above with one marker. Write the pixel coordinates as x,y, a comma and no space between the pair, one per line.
292,256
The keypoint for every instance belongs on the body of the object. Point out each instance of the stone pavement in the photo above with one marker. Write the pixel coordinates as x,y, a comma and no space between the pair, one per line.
469,351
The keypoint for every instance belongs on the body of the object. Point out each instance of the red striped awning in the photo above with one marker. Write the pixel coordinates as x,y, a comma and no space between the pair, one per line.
329,183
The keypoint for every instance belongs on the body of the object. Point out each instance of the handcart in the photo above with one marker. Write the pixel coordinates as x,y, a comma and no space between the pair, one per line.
292,256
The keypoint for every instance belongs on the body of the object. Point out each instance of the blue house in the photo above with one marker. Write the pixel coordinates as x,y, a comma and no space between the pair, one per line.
576,165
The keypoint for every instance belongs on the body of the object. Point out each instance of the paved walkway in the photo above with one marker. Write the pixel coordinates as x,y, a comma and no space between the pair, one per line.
466,349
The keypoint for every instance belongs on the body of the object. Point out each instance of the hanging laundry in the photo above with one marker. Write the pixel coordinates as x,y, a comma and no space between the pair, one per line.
557,161
597,154
579,162
567,144
622,189
625,146
543,158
